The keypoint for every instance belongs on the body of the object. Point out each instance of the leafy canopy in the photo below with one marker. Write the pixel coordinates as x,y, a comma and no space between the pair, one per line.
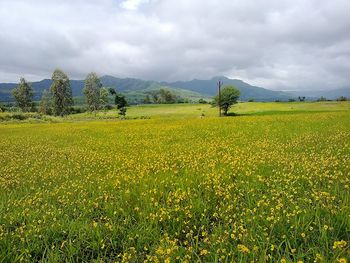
92,91
61,91
229,96
23,95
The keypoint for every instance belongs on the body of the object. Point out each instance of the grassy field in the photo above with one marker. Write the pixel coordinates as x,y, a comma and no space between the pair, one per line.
269,185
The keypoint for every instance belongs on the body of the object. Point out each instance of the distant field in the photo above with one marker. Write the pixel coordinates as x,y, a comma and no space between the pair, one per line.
248,108
270,185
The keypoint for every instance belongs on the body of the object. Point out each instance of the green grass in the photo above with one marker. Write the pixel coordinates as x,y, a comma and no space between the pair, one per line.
269,185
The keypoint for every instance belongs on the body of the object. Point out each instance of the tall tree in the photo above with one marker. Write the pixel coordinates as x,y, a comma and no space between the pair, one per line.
61,91
104,97
23,95
45,102
92,91
229,96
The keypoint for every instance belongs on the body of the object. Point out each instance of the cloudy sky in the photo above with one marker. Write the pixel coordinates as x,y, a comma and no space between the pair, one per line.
277,44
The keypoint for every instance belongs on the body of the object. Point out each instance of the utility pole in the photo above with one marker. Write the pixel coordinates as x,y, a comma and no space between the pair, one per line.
219,102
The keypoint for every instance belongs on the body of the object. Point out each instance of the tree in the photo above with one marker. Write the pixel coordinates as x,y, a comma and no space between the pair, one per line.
45,103
161,96
23,95
120,101
229,96
322,99
104,97
301,98
92,91
166,96
155,97
61,91
342,98
147,99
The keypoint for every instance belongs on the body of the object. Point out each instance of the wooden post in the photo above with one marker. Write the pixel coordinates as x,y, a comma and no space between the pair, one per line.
219,102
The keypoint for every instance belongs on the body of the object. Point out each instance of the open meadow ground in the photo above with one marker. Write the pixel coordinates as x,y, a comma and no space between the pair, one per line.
269,185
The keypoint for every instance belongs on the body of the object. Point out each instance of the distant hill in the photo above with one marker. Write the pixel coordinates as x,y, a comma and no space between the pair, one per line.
328,94
128,84
209,87
136,89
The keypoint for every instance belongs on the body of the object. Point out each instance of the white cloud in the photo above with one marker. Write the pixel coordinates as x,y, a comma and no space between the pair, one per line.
132,4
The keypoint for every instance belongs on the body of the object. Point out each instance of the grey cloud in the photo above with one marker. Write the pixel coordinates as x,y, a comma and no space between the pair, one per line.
278,44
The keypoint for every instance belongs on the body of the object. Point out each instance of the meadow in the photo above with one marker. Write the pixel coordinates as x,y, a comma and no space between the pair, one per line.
268,185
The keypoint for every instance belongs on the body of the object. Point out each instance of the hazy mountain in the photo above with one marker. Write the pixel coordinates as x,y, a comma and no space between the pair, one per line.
136,89
209,87
328,94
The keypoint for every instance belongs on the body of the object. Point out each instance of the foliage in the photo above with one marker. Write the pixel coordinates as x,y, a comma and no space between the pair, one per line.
271,188
104,98
45,103
120,101
91,91
229,96
23,94
163,96
301,98
147,99
61,91
342,98
322,99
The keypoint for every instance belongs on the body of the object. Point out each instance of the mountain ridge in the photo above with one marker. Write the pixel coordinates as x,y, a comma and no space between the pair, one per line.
196,88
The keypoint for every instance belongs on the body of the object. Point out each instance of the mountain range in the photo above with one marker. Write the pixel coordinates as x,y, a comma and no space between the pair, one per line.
328,94
136,89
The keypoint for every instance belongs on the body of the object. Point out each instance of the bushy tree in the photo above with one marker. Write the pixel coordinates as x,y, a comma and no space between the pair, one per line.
166,96
163,96
342,98
155,97
229,96
120,102
147,99
23,95
61,91
92,91
45,103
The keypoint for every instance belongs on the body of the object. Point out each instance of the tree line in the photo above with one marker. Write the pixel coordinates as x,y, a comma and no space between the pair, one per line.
58,99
